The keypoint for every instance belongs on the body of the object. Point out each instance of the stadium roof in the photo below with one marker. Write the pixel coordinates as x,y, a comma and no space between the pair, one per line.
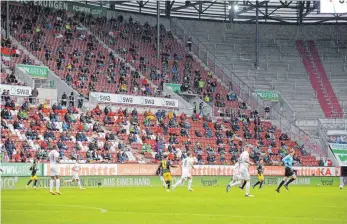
281,12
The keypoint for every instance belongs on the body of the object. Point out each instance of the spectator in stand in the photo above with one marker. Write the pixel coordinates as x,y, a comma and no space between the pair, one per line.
34,95
10,105
72,99
64,99
80,137
80,101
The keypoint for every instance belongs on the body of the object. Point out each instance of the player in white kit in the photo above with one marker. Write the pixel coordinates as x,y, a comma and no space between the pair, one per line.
75,178
236,177
187,165
55,172
244,168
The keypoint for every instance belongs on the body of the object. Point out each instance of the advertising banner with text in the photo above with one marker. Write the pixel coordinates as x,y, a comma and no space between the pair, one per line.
340,152
86,169
103,169
133,100
38,72
19,169
11,183
224,170
16,90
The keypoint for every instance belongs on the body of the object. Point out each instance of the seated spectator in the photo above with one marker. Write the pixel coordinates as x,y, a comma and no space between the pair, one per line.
49,135
80,137
132,138
97,128
108,120
184,132
231,96
61,145
66,126
208,133
65,136
211,159
22,115
25,105
10,105
173,139
198,133
97,110
283,137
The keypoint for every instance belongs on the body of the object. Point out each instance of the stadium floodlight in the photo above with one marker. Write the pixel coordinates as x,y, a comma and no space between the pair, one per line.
229,7
236,8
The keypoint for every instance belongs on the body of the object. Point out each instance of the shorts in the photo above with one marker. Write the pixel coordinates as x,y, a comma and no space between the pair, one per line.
75,176
288,172
55,171
167,176
260,177
244,173
33,177
236,177
185,174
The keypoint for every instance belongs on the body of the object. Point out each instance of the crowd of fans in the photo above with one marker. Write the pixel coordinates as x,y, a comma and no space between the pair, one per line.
67,48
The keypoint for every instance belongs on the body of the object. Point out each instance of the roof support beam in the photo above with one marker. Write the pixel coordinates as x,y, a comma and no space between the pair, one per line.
185,6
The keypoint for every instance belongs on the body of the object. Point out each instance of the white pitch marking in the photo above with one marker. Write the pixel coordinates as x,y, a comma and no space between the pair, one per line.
72,206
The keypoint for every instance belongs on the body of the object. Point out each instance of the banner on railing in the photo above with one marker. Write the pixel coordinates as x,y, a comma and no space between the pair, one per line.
102,169
73,7
269,95
88,169
37,72
16,90
174,87
18,169
133,100
340,152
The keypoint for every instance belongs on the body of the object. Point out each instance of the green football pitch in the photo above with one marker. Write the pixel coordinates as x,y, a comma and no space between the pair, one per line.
314,204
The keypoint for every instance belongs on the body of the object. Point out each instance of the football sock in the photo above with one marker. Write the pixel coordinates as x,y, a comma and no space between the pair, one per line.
190,181
57,184
248,186
281,184
35,182
162,179
261,184
291,180
79,184
168,184
29,182
51,183
177,183
256,184
243,185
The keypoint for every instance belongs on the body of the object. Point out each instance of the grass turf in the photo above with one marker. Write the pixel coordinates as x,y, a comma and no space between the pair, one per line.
301,204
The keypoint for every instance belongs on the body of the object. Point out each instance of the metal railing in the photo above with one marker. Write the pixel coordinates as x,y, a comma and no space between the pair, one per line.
282,116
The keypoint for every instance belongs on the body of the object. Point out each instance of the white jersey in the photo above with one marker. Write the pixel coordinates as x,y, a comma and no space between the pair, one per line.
187,163
76,168
244,160
53,157
53,160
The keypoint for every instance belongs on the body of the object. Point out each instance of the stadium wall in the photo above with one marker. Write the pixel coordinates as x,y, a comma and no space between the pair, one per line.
11,183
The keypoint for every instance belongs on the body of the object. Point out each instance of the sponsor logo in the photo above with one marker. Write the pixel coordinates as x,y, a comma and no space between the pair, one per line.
8,182
105,98
271,180
124,99
327,182
86,169
209,183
